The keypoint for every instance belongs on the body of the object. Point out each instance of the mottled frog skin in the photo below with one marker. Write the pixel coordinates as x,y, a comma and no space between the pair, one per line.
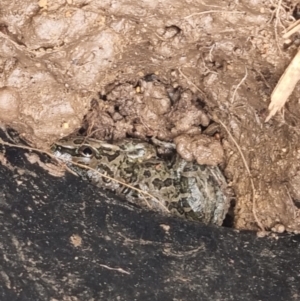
187,189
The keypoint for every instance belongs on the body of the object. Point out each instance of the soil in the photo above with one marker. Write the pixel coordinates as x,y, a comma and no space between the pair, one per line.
193,72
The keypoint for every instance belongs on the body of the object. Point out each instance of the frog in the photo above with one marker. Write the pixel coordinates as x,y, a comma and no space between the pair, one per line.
185,189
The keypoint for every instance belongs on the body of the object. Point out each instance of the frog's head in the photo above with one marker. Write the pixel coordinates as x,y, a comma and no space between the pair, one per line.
78,150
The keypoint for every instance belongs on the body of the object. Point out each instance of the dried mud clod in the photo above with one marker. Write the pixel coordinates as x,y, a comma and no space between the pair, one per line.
201,148
152,109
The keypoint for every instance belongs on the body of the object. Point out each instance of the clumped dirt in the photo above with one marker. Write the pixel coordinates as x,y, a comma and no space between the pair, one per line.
188,72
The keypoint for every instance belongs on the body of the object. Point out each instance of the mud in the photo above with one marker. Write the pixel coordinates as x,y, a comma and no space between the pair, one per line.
182,71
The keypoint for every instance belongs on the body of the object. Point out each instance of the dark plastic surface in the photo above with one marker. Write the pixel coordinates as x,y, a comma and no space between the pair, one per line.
125,253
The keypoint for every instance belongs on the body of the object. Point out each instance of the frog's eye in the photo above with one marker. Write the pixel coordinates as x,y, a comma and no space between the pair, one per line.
86,151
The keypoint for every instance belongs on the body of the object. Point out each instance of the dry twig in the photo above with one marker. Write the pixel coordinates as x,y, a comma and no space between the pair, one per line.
277,19
240,83
285,86
293,28
115,269
213,11
198,89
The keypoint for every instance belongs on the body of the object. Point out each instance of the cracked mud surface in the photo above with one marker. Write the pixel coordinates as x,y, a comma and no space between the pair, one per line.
169,70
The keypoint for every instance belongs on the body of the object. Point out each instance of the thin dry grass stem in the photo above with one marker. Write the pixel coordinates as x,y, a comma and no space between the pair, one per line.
239,84
29,148
263,78
114,269
273,14
293,28
254,209
210,52
290,200
207,70
198,89
89,134
159,37
208,5
143,193
213,11
277,19
122,183
39,151
89,130
271,18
